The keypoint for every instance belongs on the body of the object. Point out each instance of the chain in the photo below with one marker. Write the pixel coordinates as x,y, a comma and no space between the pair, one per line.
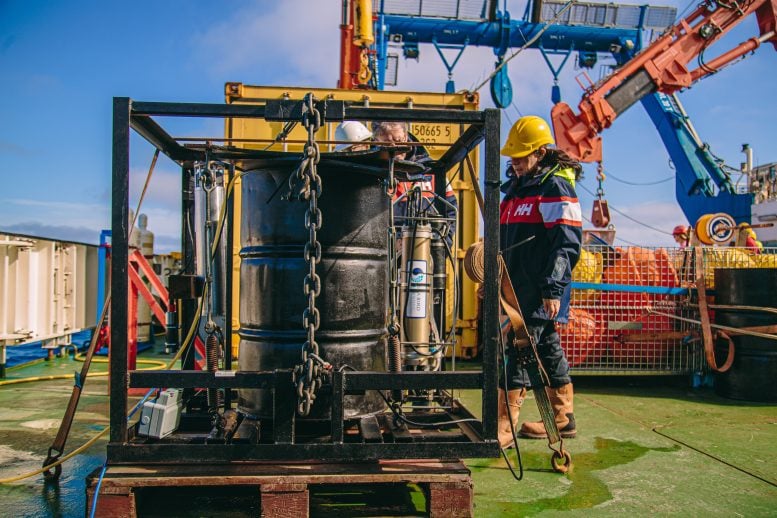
309,374
600,178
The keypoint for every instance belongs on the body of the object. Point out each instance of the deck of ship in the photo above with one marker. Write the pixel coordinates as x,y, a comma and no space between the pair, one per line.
646,445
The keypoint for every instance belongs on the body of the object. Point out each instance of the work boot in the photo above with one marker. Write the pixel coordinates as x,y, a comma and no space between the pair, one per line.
515,400
561,401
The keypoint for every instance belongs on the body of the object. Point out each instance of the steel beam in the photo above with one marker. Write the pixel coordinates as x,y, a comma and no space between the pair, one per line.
119,263
491,300
220,453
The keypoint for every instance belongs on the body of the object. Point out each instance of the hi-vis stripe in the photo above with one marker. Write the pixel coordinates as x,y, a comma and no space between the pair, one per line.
561,211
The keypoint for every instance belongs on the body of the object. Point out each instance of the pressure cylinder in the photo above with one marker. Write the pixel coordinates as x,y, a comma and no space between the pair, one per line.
416,276
353,269
146,240
209,196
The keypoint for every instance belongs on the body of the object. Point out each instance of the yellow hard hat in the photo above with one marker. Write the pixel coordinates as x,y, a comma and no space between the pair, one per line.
526,136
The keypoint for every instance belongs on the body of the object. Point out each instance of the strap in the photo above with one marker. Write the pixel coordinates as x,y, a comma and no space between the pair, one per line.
509,302
706,329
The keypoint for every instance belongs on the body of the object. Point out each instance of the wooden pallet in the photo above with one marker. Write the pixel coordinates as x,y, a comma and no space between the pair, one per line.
284,489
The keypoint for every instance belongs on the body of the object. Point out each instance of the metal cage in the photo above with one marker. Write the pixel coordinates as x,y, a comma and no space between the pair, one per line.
633,311
470,439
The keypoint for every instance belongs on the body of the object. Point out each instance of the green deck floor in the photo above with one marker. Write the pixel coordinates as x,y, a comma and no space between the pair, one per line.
646,446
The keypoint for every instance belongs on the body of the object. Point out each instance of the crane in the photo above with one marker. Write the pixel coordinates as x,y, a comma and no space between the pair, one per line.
371,29
661,69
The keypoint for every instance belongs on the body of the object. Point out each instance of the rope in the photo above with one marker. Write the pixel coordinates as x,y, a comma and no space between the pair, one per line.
638,184
733,330
474,263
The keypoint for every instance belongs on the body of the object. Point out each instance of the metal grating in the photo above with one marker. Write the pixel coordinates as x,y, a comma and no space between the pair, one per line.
608,15
614,327
453,9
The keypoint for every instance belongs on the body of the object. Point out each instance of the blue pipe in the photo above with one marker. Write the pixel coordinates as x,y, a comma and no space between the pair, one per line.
490,34
630,288
102,270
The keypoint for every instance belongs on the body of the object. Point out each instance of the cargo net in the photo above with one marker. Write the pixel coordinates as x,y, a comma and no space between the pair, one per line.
626,302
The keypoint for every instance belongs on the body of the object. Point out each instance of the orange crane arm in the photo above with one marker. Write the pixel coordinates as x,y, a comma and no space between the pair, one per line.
660,67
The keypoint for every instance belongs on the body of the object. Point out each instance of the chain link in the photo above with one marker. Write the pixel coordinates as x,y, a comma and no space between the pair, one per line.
600,177
309,374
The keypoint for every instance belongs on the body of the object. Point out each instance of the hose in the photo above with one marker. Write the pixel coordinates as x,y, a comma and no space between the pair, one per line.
167,366
70,455
46,378
157,364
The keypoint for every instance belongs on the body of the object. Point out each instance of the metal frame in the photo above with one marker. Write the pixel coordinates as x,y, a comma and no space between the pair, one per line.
133,115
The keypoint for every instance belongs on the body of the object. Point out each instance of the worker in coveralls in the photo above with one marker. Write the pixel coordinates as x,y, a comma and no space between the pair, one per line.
540,205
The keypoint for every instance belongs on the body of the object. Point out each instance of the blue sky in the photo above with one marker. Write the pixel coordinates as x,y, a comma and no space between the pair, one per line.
62,62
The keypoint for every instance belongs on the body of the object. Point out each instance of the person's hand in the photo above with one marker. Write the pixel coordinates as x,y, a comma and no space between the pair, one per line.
552,307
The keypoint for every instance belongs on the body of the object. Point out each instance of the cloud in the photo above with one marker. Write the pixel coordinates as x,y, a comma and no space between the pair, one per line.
660,215
298,42
56,232
62,206
164,188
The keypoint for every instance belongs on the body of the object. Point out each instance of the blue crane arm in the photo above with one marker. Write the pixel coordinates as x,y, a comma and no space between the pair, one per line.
505,33
695,167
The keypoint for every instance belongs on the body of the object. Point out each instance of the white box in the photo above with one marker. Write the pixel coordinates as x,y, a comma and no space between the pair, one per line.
161,417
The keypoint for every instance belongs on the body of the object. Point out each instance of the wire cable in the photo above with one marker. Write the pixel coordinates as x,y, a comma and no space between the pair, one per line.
518,458
612,176
526,45
626,215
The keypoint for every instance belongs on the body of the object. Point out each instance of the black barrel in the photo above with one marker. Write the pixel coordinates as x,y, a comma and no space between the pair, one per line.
753,375
353,271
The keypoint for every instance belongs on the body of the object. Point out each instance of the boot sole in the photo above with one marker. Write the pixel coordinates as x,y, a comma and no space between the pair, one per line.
564,435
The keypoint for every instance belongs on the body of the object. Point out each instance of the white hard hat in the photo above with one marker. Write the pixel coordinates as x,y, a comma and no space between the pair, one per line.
352,131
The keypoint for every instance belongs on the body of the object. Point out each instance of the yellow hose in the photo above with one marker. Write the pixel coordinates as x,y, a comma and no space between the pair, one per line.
67,457
105,430
158,364
48,378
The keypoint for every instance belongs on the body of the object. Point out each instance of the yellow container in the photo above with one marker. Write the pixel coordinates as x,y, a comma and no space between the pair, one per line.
260,134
